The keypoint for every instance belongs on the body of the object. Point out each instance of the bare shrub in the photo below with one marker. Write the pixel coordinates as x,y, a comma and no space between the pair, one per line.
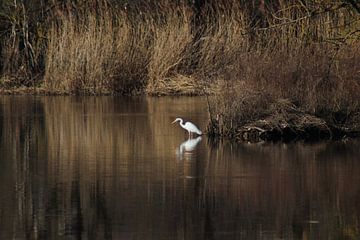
311,60
240,103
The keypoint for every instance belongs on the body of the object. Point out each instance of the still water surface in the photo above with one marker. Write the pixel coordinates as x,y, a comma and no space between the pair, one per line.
115,168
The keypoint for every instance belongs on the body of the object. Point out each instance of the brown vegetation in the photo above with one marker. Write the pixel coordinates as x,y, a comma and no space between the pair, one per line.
250,54
309,61
101,53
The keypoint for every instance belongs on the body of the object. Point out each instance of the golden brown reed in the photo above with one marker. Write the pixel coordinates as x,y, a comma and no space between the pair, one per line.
171,50
306,52
119,51
223,41
101,54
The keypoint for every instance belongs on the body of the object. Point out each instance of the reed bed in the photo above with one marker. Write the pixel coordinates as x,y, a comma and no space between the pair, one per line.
171,51
104,53
250,54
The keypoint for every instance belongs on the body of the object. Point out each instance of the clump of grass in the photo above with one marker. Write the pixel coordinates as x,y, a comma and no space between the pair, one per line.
132,47
171,52
76,55
120,52
97,55
222,41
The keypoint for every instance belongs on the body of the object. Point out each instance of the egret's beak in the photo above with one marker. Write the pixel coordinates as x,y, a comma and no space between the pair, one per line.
173,122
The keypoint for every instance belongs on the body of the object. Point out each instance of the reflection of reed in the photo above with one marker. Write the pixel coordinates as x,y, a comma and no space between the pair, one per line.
289,186
109,146
99,168
95,138
21,135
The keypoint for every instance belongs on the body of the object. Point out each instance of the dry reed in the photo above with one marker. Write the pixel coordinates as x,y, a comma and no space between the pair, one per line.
171,50
98,56
308,59
253,52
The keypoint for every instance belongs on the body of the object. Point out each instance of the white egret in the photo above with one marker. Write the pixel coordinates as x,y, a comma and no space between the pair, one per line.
188,126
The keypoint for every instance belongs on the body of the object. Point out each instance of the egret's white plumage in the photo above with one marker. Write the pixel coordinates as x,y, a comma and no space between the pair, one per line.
188,126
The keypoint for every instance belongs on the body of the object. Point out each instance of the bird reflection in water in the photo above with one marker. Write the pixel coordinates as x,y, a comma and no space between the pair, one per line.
187,149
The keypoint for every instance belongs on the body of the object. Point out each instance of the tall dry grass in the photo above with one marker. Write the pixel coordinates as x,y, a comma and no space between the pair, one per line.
307,55
222,42
304,51
103,53
171,53
77,55
119,51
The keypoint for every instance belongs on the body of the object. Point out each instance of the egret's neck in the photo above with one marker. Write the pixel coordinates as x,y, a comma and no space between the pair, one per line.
181,122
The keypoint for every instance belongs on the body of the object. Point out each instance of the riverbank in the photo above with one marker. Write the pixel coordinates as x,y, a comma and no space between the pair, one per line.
285,124
174,47
258,59
282,121
26,91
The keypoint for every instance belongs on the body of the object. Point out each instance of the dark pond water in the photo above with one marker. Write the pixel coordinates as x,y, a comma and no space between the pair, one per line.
115,168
